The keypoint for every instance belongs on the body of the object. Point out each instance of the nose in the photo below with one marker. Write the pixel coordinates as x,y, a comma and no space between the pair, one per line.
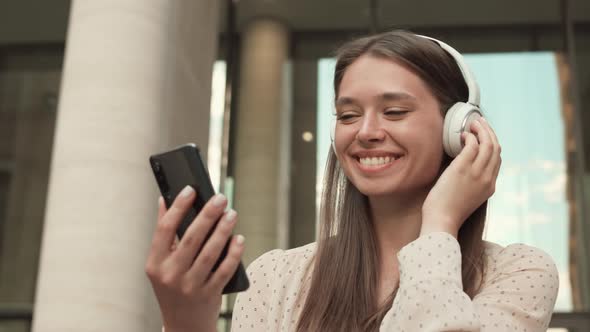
371,129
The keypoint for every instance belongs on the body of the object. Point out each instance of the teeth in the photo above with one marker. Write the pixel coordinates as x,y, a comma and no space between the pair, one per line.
376,161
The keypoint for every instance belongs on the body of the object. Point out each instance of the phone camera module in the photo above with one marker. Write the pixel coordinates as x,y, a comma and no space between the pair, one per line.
157,167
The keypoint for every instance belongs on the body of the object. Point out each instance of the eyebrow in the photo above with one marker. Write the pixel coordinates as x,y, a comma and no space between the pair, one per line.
387,96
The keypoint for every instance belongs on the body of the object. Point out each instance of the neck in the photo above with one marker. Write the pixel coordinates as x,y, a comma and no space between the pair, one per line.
397,222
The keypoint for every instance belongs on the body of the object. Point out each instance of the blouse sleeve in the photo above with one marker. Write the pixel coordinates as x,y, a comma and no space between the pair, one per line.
251,307
518,295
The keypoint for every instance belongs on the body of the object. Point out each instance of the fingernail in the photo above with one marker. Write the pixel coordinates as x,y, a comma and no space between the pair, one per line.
219,200
187,191
230,215
483,119
240,239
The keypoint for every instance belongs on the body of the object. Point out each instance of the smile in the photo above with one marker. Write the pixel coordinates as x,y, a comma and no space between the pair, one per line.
376,161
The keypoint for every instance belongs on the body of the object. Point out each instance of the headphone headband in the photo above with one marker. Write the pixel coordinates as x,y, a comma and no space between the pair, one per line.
467,74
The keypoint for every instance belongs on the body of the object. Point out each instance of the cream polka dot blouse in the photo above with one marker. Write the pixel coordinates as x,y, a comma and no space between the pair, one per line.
518,293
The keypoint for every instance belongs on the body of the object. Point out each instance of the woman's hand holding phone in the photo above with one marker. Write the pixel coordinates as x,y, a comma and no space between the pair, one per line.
188,293
469,181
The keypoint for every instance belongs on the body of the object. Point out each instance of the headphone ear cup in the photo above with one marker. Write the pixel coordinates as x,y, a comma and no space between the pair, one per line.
448,128
457,120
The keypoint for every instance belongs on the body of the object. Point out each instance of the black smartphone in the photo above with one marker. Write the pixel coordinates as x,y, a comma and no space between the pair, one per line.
174,170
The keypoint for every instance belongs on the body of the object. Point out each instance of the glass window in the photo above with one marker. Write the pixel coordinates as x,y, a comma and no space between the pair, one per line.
29,85
214,156
521,98
214,153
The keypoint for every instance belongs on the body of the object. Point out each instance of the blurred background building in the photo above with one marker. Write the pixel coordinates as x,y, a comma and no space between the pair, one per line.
89,89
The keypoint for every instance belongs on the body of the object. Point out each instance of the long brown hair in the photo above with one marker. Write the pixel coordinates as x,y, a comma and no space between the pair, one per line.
346,266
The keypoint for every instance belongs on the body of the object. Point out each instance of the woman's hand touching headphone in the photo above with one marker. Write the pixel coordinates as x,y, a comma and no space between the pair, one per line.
467,182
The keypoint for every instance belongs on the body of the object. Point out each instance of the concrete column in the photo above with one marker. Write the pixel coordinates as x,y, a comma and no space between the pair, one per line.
265,44
136,80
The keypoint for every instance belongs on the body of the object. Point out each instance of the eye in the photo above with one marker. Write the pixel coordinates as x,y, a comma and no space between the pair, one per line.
394,113
345,116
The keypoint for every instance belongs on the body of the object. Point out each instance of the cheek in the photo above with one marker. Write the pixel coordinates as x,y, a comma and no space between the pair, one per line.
433,146
426,134
343,137
427,141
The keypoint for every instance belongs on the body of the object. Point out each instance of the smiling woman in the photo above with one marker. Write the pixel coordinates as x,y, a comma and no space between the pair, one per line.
401,220
530,205
412,166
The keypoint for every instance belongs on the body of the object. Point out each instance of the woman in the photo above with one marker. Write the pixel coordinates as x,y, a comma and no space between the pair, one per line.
400,247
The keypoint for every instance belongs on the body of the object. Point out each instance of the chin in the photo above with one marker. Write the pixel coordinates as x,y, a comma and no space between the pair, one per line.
372,190
393,189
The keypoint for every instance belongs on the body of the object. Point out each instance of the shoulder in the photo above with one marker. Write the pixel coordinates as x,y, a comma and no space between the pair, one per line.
277,270
276,260
516,257
525,266
275,277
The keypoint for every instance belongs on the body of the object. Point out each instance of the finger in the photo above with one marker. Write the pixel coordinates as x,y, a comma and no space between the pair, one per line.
494,164
492,168
161,208
491,131
195,235
470,148
212,249
174,244
498,164
228,266
168,223
486,147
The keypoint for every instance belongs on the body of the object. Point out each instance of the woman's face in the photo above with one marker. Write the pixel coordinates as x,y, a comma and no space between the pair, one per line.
388,135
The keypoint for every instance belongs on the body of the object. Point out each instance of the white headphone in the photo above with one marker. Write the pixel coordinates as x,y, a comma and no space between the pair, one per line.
460,116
